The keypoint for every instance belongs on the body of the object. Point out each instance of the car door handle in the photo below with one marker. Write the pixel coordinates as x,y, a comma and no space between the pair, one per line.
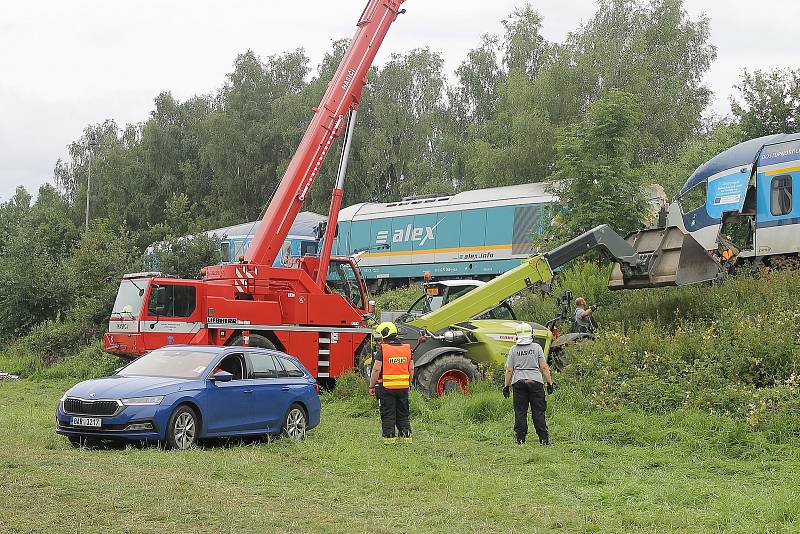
248,391
286,388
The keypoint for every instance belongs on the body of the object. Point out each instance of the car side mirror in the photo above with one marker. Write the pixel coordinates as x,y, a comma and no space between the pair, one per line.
221,376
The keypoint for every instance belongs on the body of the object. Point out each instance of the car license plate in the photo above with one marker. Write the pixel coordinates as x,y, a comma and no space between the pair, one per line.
87,421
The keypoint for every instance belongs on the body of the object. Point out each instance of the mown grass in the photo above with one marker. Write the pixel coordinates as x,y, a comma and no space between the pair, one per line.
619,471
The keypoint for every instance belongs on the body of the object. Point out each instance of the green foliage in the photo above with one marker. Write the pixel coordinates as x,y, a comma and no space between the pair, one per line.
770,102
585,279
516,146
37,239
399,299
595,169
730,349
624,472
525,50
90,362
673,170
351,384
100,259
652,50
185,256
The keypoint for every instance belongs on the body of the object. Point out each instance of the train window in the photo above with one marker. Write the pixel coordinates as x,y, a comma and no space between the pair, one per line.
308,248
781,203
225,247
238,250
177,301
694,198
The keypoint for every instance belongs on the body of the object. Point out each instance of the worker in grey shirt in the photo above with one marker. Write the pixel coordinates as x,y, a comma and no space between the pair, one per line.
526,373
583,316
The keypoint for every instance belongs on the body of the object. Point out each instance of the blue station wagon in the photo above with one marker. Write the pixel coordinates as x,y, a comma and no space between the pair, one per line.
180,394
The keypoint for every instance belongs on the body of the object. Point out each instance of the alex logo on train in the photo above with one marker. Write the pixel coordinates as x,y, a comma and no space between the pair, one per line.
421,234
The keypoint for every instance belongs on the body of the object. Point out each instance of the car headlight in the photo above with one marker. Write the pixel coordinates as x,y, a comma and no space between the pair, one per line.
143,401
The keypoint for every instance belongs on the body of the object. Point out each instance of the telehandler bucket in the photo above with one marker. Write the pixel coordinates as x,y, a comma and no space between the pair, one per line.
675,259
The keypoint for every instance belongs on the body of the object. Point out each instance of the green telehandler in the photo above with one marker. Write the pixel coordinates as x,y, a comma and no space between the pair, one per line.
461,326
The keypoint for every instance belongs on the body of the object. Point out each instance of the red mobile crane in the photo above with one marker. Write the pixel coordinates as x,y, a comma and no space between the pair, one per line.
315,311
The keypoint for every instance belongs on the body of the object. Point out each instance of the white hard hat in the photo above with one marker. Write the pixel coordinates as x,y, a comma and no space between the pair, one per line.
524,333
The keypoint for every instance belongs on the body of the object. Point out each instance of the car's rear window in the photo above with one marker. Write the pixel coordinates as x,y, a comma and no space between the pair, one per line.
170,364
292,368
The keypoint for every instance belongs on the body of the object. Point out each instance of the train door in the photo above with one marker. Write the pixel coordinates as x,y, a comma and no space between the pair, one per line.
778,215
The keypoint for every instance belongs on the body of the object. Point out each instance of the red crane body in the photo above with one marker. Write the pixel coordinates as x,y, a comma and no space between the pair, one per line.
319,318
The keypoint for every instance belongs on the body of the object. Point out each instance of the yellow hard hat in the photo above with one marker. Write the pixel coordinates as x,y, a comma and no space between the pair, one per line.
385,330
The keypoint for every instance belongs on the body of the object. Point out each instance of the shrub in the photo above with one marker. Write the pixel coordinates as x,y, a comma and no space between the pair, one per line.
351,384
91,362
52,341
730,349
399,299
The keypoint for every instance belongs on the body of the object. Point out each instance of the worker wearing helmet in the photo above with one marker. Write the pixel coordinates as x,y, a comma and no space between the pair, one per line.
392,374
526,372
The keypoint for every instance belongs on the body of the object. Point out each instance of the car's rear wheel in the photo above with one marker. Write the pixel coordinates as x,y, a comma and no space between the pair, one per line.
182,429
295,423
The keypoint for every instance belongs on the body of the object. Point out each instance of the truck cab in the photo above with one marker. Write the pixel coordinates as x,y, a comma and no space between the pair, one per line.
152,311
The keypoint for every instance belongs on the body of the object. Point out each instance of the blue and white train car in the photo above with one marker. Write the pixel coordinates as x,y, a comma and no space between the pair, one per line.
744,198
475,234
301,241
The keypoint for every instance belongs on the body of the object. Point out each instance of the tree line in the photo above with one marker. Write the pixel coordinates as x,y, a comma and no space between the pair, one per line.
619,103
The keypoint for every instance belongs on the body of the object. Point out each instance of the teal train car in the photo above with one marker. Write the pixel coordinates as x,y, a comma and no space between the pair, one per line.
476,234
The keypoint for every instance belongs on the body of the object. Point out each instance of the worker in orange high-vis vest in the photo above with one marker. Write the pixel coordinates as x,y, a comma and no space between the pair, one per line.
392,374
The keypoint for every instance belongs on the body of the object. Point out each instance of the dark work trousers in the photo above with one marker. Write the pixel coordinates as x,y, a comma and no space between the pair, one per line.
530,393
394,412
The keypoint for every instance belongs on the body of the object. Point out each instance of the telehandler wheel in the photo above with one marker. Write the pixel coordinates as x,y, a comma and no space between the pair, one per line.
446,374
256,340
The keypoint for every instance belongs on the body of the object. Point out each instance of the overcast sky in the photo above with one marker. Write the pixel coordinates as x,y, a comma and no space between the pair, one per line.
66,64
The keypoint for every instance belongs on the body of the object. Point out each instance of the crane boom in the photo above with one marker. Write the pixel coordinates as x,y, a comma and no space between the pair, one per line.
343,95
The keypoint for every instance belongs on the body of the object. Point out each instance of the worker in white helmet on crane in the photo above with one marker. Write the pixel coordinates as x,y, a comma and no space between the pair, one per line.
526,373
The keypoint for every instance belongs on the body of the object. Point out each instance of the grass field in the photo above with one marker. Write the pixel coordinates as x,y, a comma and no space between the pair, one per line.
606,472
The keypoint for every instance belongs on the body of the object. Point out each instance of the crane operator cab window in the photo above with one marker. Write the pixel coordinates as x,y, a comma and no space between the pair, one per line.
172,301
342,279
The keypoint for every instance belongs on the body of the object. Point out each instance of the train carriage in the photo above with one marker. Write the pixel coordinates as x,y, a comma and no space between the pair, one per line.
474,234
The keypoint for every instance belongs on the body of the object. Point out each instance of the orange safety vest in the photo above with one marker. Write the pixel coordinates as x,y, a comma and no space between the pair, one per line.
396,370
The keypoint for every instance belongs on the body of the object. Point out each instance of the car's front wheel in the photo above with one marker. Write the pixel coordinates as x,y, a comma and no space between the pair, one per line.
295,423
182,429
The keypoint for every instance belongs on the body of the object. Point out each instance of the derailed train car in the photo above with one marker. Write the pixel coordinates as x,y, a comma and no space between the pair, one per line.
736,208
